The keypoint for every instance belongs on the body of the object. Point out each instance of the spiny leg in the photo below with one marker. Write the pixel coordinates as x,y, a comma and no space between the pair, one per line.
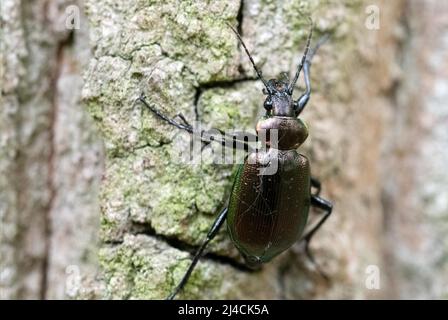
325,205
226,140
211,234
185,126
184,120
300,104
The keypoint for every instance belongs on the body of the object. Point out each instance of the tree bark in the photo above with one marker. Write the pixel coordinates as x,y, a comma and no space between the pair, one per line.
185,59
51,155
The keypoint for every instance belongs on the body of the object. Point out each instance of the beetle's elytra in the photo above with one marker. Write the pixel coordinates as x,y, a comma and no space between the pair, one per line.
267,213
265,223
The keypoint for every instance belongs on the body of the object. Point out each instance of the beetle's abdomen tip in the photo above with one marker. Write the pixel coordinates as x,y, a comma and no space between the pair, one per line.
253,262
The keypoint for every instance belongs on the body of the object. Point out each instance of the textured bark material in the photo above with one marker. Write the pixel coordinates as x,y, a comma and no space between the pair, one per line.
51,156
184,57
415,196
378,144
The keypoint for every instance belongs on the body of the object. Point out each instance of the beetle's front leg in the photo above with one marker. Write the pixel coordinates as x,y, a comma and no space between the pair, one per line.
300,103
185,126
230,141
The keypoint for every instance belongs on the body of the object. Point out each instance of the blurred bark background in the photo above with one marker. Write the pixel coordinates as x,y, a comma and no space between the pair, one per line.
378,141
51,155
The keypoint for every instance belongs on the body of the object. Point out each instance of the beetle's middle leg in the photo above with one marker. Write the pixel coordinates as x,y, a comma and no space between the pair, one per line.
210,235
325,205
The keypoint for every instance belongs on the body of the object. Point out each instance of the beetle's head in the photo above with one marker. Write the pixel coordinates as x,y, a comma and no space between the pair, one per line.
279,100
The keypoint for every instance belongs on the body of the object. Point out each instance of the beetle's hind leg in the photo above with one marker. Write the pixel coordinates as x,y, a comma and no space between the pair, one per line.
325,205
210,235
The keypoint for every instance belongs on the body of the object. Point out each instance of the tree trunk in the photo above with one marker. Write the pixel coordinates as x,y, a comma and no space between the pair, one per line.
50,158
377,142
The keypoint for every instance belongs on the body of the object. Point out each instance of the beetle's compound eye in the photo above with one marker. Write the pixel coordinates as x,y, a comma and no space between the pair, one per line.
268,104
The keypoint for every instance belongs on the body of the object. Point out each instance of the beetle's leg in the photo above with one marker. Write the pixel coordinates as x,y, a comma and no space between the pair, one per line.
303,100
315,183
305,97
325,205
210,235
225,140
178,125
184,120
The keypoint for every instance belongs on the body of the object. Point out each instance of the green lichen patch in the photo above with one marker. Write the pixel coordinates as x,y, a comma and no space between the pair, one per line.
193,32
144,268
138,268
232,108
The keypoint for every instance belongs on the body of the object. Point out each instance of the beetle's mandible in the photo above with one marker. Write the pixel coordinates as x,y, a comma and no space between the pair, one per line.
267,214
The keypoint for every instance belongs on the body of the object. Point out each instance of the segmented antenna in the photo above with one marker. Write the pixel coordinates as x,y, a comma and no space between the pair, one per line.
319,43
259,74
302,62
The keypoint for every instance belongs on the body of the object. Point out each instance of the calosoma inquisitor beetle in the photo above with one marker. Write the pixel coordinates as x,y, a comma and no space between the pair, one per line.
267,214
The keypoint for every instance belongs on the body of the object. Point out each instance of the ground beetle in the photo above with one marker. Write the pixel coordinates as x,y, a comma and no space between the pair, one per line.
267,214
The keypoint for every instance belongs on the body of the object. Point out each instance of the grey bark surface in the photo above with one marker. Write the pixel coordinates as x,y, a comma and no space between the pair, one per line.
51,155
378,141
415,197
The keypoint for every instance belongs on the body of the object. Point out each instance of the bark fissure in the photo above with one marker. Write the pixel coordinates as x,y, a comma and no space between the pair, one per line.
148,230
52,157
390,192
224,84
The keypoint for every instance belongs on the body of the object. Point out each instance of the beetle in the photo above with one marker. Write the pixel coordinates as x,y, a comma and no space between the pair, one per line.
267,213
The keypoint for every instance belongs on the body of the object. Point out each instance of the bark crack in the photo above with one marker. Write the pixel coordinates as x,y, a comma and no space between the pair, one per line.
215,85
52,157
148,230
391,188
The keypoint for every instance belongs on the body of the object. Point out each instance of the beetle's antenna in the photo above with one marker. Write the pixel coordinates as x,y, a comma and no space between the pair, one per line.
305,53
319,43
259,74
284,76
